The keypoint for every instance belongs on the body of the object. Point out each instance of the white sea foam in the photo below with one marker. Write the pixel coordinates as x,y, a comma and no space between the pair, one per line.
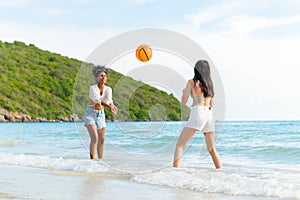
252,182
72,165
232,179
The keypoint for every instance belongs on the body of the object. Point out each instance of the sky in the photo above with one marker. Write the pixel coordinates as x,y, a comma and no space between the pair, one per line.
253,44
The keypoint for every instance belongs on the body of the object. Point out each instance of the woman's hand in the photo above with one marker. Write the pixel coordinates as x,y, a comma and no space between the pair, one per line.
113,109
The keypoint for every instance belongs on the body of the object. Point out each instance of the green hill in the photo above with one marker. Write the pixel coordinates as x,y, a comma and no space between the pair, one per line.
40,83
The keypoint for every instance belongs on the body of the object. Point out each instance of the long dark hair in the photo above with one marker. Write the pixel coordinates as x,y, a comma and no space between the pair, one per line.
202,74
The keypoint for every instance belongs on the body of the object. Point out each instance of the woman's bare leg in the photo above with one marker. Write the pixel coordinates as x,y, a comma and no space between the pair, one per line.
209,139
184,137
100,145
94,139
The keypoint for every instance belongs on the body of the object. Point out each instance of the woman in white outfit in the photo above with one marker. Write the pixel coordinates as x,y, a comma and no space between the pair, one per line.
201,90
100,95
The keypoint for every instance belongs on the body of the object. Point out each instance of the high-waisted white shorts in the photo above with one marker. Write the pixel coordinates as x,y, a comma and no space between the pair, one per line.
96,117
201,118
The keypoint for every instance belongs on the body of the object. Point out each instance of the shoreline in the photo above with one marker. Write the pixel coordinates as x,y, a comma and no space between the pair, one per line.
82,186
10,116
226,121
17,117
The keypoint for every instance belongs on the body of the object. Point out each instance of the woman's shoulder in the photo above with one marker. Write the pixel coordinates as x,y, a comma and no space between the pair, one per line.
190,82
94,86
107,88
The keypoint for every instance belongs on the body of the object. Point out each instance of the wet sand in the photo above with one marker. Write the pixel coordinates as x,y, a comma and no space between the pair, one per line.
19,182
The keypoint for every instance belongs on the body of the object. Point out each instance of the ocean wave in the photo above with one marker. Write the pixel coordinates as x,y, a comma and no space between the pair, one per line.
11,142
81,166
274,181
257,182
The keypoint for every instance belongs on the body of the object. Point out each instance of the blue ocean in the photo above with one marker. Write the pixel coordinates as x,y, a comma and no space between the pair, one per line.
261,159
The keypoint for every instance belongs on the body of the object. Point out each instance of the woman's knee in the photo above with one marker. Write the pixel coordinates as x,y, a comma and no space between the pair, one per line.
101,136
94,139
211,150
101,140
180,146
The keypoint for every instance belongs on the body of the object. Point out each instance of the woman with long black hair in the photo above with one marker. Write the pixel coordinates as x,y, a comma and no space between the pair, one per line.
201,90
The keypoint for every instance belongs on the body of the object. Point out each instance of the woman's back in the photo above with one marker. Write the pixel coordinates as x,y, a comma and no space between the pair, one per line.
197,94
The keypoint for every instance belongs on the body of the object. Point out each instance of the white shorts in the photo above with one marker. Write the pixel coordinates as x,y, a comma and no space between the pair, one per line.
201,118
96,117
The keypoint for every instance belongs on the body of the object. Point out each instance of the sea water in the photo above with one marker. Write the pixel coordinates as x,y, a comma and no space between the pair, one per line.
260,158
